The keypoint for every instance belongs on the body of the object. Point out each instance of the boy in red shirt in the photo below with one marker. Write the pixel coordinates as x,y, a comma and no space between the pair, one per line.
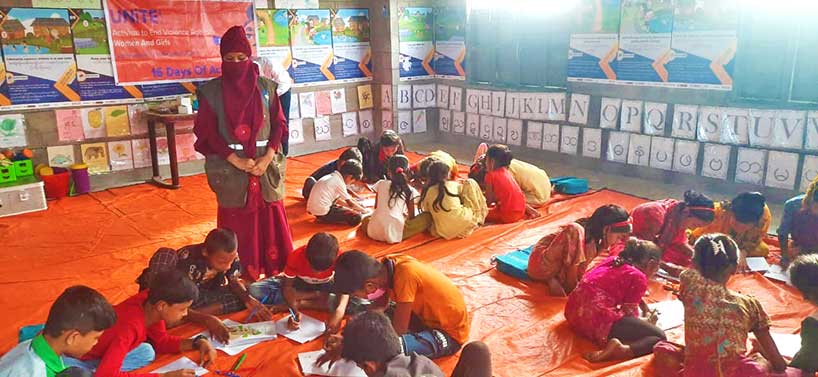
503,190
143,317
306,283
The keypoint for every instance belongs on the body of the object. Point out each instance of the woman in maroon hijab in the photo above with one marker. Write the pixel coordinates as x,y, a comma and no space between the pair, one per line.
239,128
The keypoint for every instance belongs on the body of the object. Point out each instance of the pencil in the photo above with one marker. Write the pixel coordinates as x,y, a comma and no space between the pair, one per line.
238,363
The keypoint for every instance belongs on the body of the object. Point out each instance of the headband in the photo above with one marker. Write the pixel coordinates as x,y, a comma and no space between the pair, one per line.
700,208
622,226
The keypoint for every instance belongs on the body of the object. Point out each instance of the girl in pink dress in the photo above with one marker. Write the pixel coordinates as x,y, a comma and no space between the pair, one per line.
561,258
666,222
717,321
605,305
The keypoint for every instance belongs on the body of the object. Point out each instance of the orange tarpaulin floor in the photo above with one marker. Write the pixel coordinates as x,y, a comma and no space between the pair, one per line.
104,240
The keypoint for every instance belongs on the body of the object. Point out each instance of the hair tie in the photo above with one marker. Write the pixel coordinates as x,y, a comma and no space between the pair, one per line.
718,247
399,170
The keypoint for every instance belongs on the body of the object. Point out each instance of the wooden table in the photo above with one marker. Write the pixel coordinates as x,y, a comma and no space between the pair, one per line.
169,120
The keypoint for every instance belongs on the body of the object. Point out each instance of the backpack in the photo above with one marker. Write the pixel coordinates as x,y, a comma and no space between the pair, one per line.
570,185
515,263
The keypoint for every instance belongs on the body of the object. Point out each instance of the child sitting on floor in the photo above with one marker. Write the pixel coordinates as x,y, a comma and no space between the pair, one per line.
330,201
419,172
605,305
561,258
75,322
376,156
306,282
370,342
533,181
327,169
124,348
804,276
799,221
215,269
395,218
502,189
746,219
457,208
430,313
717,319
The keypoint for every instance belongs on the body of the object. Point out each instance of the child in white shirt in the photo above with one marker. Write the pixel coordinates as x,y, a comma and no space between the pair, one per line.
394,218
329,200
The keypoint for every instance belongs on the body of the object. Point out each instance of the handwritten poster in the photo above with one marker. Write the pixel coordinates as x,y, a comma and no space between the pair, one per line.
307,102
185,150
323,103
141,153
350,40
404,122
323,130
349,123
311,35
296,128
121,155
61,156
12,131
69,124
95,155
594,43
416,33
116,121
365,99
93,122
366,122
338,100
419,121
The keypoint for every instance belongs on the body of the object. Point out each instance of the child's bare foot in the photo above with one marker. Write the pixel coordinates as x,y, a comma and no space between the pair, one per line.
614,350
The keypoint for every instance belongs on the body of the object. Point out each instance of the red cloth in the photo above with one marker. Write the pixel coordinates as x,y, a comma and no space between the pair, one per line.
263,233
128,333
510,198
298,266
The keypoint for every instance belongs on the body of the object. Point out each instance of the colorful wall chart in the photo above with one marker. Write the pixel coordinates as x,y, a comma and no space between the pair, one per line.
594,42
311,35
416,33
450,43
274,35
704,43
39,55
644,41
350,39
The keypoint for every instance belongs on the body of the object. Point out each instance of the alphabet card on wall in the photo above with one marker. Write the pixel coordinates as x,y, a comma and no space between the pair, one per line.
323,131
592,142
338,100
498,104
350,124
365,118
296,128
513,105
809,172
387,121
556,107
386,97
533,136
456,99
685,121
661,152
445,120
295,107
631,118
515,132
686,157
419,121
812,131
404,122
716,161
500,130
709,127
655,118
618,146
404,97
570,140
609,113
486,127
750,165
473,125
530,106
551,137
443,96
424,96
735,126
323,103
307,102
458,122
639,150
781,169
472,101
789,129
485,102
579,108
762,123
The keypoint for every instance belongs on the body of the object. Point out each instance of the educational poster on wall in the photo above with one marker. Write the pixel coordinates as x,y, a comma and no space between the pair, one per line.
84,4
594,43
416,33
644,41
95,72
274,35
350,41
5,100
296,4
312,46
171,89
147,37
450,43
704,44
39,56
